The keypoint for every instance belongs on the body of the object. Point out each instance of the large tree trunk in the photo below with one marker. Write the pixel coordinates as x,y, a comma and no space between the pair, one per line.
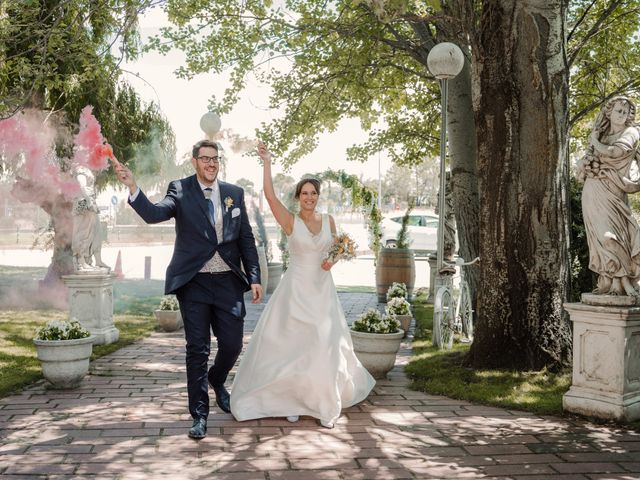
464,171
521,83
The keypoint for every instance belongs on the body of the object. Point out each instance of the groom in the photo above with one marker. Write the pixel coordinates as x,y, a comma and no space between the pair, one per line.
213,238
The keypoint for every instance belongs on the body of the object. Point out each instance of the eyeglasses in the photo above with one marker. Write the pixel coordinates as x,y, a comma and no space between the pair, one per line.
205,159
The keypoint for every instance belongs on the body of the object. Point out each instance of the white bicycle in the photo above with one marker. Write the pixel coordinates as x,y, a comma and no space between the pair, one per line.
453,316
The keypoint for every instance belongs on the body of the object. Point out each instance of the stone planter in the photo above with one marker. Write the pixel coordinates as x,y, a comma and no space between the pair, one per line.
64,362
275,273
169,320
377,351
405,322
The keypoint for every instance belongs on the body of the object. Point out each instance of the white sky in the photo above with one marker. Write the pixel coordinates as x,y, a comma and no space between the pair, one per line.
184,102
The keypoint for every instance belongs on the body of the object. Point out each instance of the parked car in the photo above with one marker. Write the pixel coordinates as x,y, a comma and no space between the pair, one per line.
423,230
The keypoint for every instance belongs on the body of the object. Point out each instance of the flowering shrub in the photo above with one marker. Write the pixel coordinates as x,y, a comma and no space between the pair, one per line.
398,306
397,290
169,302
62,330
372,322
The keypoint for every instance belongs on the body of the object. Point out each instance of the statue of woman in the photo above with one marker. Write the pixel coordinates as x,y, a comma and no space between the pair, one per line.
609,172
87,233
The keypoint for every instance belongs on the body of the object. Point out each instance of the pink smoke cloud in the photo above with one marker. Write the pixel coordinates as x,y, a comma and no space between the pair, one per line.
92,150
27,142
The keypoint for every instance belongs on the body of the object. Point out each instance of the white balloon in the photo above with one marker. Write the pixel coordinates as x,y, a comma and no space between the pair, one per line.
210,123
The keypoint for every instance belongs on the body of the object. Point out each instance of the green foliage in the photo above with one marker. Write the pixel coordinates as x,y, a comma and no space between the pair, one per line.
62,330
403,240
367,60
261,237
345,63
373,322
582,279
363,197
603,54
61,56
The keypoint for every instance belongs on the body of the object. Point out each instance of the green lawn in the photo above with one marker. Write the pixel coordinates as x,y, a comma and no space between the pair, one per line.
134,302
19,365
443,372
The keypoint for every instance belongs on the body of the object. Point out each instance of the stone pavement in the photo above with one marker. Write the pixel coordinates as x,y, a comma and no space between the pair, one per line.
129,420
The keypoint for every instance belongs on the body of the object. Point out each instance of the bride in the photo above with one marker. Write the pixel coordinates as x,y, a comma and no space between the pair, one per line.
300,359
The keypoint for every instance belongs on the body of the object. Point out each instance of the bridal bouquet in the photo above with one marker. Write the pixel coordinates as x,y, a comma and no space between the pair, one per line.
343,248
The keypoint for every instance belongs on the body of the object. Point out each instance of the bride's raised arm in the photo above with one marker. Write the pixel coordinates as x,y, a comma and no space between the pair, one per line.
282,215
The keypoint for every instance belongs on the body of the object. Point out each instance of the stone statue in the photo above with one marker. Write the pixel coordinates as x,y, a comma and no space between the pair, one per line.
88,233
449,247
609,172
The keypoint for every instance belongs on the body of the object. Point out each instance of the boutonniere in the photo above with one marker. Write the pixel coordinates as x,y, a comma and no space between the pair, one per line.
228,203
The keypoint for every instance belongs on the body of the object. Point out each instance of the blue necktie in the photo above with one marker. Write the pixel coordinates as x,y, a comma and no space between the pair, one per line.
207,194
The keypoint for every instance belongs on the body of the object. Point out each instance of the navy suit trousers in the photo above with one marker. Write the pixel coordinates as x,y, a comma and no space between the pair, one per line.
211,302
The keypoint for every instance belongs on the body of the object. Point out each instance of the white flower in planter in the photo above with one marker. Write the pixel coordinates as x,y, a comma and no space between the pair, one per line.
397,290
373,322
398,306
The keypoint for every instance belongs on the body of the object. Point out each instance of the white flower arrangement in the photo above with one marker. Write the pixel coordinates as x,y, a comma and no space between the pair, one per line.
169,302
373,322
397,290
398,306
62,330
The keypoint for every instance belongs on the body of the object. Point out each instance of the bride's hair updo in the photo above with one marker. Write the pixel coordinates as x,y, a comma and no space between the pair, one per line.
313,181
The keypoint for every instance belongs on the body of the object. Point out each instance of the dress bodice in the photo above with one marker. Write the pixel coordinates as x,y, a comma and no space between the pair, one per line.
305,248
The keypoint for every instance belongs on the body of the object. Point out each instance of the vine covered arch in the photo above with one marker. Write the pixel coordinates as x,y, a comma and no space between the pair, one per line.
363,197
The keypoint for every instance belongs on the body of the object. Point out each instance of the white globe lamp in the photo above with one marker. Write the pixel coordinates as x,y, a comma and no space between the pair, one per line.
210,124
445,60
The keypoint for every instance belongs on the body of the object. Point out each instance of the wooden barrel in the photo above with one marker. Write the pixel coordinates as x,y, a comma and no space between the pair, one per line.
395,265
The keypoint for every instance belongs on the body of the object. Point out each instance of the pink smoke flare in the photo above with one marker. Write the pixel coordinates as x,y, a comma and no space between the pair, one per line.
92,150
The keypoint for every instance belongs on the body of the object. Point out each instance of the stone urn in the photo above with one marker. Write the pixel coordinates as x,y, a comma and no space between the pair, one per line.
377,351
169,320
405,322
64,362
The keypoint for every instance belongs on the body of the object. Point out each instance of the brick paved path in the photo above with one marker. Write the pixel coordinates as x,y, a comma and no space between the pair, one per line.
129,421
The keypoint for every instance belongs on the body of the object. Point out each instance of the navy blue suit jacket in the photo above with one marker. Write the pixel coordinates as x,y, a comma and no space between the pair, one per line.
196,240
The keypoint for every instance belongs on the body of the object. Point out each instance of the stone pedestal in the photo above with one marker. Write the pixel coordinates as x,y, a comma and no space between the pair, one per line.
91,303
606,358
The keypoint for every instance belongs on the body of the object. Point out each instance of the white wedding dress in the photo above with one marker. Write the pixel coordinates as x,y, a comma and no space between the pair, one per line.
300,358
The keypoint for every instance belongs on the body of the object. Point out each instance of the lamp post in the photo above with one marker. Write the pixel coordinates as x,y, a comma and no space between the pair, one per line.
445,61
